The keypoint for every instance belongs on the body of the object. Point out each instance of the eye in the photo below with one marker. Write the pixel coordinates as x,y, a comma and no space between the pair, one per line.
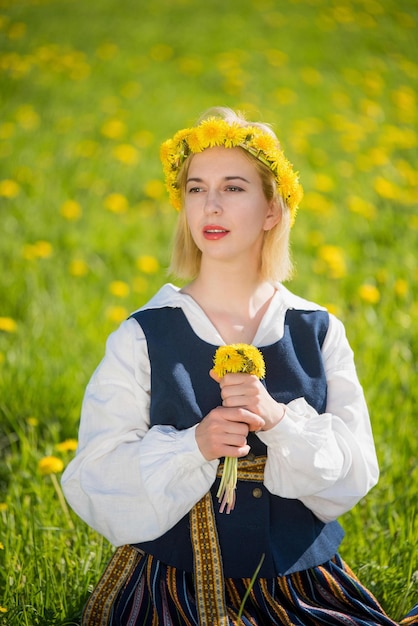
194,190
234,188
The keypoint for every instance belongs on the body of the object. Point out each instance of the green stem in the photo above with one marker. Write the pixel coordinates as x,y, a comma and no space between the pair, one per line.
62,501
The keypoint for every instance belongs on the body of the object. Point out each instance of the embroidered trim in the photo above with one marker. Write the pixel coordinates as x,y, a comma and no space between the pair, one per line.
209,578
99,607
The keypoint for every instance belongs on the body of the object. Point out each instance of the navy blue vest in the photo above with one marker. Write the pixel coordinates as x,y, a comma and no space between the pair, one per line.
182,393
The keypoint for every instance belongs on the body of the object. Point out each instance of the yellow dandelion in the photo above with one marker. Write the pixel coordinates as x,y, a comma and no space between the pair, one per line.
71,210
3,609
238,357
334,258
3,507
317,203
78,267
147,264
211,132
180,136
401,287
7,130
69,445
8,325
363,207
116,203
38,250
262,141
385,188
9,188
116,314
334,309
167,153
369,293
1,544
50,465
125,153
32,422
194,142
113,129
119,289
234,135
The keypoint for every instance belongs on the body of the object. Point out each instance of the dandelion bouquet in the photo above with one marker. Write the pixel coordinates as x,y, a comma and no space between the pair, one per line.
234,358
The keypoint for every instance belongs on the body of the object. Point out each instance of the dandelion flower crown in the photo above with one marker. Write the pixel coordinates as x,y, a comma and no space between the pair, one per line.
215,131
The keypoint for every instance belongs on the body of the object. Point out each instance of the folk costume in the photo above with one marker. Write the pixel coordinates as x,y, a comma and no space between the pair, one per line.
140,479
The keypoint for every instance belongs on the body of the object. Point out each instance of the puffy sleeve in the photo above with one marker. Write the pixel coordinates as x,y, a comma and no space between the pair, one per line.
128,481
328,461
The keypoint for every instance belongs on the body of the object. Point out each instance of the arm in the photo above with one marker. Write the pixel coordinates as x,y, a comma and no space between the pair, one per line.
327,461
128,481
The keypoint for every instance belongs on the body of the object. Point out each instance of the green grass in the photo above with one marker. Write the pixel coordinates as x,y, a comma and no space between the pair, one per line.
88,92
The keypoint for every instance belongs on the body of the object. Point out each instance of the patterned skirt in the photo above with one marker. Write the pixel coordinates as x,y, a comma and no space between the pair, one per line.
138,590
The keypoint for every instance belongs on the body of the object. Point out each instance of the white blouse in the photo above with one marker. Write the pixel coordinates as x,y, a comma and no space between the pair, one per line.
132,483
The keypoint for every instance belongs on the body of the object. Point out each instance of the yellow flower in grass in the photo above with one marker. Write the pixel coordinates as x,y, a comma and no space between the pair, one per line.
71,210
119,288
50,465
116,203
69,445
9,188
117,314
235,358
125,153
148,264
369,293
78,267
8,324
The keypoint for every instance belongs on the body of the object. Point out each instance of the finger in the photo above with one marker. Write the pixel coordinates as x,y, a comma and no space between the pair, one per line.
215,376
238,414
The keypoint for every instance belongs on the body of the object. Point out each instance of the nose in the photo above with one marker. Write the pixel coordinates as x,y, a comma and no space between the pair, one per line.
212,202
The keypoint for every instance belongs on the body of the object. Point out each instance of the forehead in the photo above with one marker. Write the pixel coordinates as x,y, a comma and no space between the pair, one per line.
227,161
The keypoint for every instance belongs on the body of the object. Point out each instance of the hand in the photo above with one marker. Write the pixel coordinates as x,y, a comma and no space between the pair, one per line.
224,431
247,391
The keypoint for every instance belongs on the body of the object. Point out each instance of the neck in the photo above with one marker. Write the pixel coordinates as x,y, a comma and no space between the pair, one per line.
234,301
231,288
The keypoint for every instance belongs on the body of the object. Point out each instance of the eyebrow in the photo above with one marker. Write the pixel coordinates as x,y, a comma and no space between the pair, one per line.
199,180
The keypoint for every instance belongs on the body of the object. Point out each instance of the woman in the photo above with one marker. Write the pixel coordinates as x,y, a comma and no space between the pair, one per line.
157,421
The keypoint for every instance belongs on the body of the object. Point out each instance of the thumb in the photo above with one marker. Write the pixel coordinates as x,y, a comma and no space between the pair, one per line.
215,376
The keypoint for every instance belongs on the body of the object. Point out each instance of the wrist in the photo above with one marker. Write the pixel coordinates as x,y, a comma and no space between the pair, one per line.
276,417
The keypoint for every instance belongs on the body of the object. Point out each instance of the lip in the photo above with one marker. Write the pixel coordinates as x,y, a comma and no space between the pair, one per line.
214,232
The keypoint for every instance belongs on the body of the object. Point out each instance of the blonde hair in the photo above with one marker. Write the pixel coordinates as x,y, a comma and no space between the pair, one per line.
276,263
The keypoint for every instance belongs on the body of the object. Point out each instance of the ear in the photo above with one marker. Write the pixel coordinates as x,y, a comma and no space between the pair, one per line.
273,215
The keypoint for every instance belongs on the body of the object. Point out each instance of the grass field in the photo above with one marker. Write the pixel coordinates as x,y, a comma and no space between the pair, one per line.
88,92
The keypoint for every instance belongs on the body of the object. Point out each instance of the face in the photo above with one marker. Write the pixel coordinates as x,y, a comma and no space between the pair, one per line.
226,209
